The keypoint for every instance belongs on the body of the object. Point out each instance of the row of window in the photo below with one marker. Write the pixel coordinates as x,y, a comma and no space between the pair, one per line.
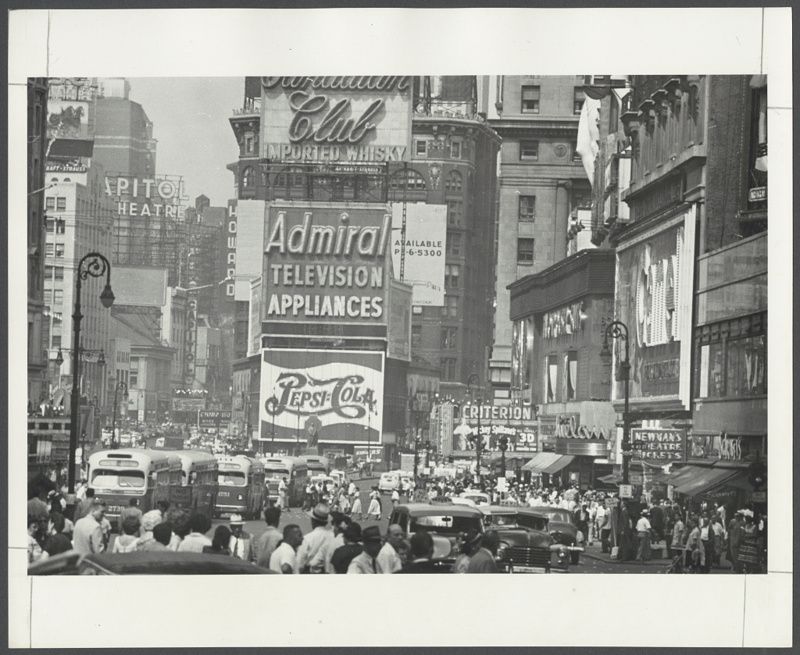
56,249
57,203
421,148
531,95
58,226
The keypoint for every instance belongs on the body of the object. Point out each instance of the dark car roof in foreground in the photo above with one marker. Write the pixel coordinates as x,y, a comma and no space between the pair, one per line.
433,509
156,563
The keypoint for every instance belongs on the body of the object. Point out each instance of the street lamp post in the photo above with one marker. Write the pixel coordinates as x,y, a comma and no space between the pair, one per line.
120,386
479,439
91,265
618,330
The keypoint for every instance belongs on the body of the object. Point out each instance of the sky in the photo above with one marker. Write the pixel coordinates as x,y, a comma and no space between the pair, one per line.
190,122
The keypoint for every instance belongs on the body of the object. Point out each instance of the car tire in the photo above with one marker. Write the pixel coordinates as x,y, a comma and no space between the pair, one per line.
575,558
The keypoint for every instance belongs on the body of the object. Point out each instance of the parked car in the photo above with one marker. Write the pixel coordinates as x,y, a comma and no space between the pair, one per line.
526,546
561,526
143,563
445,522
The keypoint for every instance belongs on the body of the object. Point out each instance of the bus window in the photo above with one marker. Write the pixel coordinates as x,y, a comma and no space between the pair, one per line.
232,478
108,479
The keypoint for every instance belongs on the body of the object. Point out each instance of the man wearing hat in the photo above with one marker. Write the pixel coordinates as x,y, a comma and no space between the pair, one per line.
241,542
311,554
367,561
643,532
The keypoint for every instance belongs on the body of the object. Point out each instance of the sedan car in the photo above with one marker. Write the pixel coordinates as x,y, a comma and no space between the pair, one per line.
526,546
143,563
562,527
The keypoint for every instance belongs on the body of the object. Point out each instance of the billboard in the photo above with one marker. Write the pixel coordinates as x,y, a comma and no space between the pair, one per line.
426,234
664,445
336,118
326,263
254,321
68,119
518,423
160,196
312,397
653,298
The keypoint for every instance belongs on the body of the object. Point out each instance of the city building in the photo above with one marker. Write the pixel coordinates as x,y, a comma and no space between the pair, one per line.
38,391
691,284
541,181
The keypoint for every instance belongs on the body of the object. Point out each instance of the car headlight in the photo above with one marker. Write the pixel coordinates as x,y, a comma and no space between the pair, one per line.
501,549
240,497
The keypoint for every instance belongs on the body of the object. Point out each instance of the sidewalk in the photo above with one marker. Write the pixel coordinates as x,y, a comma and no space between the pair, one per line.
595,552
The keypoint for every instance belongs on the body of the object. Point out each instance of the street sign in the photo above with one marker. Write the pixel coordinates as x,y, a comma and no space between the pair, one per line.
626,491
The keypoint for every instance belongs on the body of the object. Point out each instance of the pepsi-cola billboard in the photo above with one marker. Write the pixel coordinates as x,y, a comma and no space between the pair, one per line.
312,397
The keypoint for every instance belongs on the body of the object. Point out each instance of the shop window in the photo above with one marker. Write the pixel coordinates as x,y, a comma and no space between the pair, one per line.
525,251
529,150
551,378
455,212
527,209
455,182
577,101
570,375
530,100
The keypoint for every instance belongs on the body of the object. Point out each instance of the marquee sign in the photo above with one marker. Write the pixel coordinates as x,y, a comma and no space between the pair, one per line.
661,444
322,396
158,196
347,118
326,265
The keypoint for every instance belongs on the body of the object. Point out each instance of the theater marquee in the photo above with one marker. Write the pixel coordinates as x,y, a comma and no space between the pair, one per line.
336,118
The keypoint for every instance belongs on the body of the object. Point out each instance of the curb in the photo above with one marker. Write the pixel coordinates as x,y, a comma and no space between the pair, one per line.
654,562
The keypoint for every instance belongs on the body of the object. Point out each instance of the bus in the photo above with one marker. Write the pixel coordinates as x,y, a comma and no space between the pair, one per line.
240,486
119,474
317,464
193,486
294,469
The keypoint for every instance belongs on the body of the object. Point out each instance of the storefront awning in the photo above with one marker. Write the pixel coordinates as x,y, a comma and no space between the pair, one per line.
702,479
548,463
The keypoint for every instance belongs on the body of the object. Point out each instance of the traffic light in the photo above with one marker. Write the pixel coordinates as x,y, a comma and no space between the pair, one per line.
503,442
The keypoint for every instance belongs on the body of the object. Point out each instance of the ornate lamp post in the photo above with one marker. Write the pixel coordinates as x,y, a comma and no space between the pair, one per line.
91,265
618,330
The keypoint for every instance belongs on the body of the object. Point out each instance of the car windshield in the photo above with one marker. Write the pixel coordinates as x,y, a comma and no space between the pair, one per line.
556,514
533,522
110,479
504,519
231,478
276,473
445,524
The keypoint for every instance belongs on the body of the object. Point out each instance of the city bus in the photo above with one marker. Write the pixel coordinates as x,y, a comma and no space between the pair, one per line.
240,487
294,469
193,485
317,464
119,474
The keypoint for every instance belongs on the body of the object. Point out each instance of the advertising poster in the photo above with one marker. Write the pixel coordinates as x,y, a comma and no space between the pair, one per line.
659,444
313,397
654,299
347,118
326,264
425,242
398,329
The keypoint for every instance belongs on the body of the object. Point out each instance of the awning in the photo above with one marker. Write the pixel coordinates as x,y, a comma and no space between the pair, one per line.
548,463
703,479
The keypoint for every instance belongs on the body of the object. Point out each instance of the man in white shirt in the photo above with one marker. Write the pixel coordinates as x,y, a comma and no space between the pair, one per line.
389,559
643,532
196,540
310,555
241,542
395,497
87,536
367,561
284,557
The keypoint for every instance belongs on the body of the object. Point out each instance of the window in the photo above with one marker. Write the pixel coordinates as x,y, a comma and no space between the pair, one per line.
247,177
527,208
733,368
530,100
60,226
450,307
249,144
59,250
416,336
551,378
412,180
55,340
61,204
49,225
448,369
455,212
54,272
421,147
58,296
453,243
529,150
454,183
49,202
48,249
525,251
578,98
452,273
455,150
570,375
449,338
